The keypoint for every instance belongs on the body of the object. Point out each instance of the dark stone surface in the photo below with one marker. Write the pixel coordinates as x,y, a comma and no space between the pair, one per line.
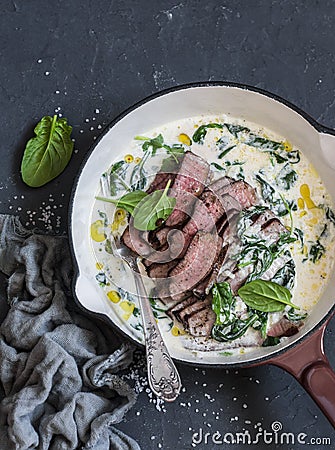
90,60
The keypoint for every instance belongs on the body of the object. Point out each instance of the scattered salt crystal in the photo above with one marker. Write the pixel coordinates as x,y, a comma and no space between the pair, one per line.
39,61
47,73
245,405
97,111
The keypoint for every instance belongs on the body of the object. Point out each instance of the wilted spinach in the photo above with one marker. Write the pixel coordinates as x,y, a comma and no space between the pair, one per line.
228,326
316,251
292,315
285,276
287,177
200,134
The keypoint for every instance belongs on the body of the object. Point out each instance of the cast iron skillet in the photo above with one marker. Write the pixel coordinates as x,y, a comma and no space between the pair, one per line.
302,355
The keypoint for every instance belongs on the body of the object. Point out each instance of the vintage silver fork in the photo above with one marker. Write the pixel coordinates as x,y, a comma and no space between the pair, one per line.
163,376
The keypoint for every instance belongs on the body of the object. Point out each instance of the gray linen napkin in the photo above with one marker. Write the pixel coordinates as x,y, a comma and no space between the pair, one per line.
57,367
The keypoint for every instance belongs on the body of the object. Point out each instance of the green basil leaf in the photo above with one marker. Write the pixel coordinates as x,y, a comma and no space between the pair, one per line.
128,201
153,207
265,296
48,153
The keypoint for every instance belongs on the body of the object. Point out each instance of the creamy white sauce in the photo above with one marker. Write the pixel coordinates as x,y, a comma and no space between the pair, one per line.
311,277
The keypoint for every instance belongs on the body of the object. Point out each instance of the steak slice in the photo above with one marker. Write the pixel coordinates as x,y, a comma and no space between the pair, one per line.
177,309
157,270
188,184
219,187
160,181
197,262
284,327
242,192
136,241
192,308
201,322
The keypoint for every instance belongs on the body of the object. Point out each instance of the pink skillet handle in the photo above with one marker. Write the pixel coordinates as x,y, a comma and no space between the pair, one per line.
308,363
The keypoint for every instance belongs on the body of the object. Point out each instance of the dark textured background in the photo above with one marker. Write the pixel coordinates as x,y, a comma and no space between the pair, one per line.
91,59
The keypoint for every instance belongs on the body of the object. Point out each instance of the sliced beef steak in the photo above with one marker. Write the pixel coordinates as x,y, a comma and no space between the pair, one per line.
201,322
157,270
136,240
284,327
189,184
242,192
197,262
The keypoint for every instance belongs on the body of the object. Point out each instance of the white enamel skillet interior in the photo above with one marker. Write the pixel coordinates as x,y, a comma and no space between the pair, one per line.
265,109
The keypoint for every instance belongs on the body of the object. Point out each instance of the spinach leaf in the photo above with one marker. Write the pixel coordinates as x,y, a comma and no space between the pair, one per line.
330,215
285,276
235,329
267,190
217,166
128,201
236,129
138,178
287,177
226,151
270,341
227,326
234,163
116,177
279,205
222,303
47,154
300,236
153,207
261,322
265,296
294,317
316,251
200,134
263,143
156,143
153,144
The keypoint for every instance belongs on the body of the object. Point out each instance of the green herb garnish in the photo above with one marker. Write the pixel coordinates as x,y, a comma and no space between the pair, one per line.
154,144
47,154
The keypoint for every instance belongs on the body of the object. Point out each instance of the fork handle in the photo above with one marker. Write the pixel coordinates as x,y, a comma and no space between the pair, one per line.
164,379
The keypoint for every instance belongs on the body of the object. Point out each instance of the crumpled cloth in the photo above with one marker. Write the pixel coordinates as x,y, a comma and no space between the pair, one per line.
57,367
